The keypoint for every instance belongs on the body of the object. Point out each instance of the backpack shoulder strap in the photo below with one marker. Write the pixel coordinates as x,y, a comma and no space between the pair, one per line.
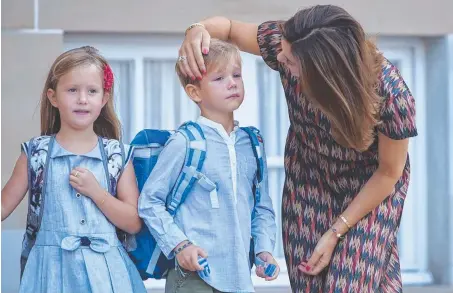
37,150
258,150
114,158
37,160
191,171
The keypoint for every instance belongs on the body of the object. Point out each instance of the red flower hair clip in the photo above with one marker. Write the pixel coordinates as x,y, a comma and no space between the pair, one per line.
108,78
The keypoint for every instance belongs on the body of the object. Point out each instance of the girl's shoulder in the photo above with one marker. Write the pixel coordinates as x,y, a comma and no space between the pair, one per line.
39,139
115,148
36,144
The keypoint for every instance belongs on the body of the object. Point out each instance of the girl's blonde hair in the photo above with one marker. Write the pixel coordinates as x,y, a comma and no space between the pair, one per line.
107,124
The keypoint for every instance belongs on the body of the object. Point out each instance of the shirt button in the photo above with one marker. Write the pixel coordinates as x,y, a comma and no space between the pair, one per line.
82,222
77,195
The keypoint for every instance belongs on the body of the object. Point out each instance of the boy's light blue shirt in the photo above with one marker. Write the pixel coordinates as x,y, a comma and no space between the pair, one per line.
222,229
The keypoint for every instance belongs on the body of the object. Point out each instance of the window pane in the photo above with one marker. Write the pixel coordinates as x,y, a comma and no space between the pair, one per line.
123,71
166,104
274,124
274,121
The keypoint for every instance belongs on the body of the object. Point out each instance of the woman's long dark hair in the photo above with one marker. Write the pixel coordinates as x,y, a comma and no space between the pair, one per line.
339,71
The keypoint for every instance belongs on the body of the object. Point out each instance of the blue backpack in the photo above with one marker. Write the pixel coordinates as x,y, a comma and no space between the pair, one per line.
148,143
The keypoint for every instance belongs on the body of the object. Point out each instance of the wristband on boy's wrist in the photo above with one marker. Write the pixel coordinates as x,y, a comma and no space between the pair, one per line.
181,248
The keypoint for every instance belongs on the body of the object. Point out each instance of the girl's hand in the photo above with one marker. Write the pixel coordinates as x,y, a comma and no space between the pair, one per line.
321,256
84,182
267,257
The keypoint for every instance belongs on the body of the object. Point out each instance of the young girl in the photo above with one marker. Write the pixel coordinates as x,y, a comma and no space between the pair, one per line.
82,185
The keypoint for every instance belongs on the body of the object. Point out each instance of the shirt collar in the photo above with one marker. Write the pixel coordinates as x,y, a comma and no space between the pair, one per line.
59,151
218,127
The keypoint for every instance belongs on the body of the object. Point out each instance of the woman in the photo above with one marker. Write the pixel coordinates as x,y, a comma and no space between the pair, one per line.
346,155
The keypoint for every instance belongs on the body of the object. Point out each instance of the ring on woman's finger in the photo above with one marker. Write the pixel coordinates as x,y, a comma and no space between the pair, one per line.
77,174
182,58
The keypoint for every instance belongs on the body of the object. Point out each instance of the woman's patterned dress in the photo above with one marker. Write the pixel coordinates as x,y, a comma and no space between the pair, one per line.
322,177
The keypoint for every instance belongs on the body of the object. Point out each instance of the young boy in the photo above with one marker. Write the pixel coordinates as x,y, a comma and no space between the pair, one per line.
217,226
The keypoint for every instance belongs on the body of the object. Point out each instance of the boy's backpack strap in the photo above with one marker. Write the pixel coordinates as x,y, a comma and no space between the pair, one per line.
258,150
191,171
38,155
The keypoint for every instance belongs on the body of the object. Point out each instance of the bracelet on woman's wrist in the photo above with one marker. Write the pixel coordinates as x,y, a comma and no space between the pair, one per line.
345,221
194,25
336,233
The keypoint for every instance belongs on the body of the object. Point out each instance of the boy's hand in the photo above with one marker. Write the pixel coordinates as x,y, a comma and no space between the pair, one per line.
84,182
267,257
188,257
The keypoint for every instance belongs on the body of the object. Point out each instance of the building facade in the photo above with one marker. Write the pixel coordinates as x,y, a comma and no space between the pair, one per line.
141,40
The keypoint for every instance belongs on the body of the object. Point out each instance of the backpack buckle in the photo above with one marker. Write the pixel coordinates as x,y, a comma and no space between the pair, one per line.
257,184
257,191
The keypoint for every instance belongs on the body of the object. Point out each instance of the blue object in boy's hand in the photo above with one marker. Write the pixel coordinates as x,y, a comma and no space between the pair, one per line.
269,269
206,270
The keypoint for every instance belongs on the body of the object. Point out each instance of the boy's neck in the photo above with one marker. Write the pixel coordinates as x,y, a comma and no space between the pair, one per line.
226,120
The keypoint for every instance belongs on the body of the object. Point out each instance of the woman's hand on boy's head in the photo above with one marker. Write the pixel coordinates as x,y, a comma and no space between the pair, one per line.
84,182
196,43
268,258
188,257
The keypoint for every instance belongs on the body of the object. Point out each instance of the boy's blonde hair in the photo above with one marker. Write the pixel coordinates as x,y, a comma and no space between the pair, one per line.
220,54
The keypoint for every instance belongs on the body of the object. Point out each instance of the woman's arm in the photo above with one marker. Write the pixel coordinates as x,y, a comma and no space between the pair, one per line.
392,159
197,40
16,187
